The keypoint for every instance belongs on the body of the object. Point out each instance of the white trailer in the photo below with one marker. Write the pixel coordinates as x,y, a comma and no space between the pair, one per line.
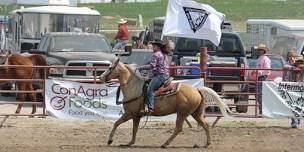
27,25
279,35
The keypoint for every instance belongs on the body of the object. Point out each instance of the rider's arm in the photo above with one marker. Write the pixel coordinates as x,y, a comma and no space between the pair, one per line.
118,35
151,64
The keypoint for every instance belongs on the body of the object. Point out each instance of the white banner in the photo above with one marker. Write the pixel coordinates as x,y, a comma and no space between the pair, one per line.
283,100
83,101
186,18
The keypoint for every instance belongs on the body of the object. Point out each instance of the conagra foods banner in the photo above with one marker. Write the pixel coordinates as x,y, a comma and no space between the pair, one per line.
283,99
73,100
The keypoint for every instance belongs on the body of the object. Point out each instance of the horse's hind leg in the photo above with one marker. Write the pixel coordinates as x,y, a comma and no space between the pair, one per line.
125,117
21,96
198,116
178,128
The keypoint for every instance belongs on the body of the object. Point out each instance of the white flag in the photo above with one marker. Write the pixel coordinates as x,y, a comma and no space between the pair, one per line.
186,18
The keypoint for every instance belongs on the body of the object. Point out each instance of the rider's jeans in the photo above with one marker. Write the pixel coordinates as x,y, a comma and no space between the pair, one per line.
154,84
120,44
259,90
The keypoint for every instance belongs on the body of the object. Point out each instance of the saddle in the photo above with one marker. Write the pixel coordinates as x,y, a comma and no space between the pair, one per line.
167,88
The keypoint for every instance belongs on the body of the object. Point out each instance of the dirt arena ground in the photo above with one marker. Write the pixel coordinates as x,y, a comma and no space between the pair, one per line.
23,134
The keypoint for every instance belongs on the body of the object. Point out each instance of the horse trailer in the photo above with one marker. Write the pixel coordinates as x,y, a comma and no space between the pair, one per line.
280,36
26,26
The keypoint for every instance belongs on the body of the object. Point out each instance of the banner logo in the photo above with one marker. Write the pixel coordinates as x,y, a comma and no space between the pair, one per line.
57,102
196,17
293,96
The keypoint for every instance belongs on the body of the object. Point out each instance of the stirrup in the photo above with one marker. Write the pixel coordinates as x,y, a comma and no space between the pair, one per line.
146,111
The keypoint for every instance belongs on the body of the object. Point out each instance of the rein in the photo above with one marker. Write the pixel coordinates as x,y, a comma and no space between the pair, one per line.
118,92
121,102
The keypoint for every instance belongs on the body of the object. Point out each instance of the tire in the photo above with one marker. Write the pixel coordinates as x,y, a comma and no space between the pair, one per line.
241,109
242,99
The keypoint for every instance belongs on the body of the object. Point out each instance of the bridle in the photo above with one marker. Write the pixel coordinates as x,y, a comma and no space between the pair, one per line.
4,57
110,70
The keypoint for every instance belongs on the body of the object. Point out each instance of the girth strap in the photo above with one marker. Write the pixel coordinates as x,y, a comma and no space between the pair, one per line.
117,96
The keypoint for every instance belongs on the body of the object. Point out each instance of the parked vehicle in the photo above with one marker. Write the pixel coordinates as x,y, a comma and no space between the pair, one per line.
26,26
279,35
76,49
229,53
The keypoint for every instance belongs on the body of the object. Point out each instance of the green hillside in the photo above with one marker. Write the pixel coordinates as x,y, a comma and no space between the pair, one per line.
237,11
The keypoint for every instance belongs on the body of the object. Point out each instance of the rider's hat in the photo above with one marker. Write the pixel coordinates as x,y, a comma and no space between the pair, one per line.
262,47
158,43
122,21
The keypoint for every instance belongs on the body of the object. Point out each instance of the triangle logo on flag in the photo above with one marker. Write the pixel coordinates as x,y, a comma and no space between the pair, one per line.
196,17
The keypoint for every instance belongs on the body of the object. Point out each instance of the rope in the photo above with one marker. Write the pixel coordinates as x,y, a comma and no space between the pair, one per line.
145,122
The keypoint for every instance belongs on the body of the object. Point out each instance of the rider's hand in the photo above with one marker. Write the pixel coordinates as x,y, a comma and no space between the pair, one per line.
138,68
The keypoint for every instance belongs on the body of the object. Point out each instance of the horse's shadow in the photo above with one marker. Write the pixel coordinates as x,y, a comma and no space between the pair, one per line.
151,146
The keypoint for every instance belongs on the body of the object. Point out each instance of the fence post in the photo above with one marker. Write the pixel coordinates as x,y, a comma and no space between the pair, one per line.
203,60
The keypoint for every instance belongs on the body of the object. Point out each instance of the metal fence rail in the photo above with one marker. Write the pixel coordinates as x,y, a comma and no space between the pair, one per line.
95,80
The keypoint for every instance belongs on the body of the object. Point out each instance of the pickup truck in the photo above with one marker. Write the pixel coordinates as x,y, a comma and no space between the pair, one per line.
229,53
76,49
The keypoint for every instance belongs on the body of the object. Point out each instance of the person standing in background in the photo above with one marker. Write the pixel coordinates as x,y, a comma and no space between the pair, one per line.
263,62
292,73
122,36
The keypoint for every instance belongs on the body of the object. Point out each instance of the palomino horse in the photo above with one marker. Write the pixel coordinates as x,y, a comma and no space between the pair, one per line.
24,73
187,101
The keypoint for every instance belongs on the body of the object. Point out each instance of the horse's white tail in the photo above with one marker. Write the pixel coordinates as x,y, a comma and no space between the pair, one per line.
210,96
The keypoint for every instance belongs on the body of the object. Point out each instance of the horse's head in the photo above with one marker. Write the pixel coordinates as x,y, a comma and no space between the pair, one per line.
4,54
111,73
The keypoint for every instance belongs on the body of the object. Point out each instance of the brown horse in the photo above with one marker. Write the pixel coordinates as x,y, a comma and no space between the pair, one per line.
24,73
187,101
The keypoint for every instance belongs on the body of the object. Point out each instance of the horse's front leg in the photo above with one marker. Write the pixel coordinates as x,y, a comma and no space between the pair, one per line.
125,117
33,97
136,121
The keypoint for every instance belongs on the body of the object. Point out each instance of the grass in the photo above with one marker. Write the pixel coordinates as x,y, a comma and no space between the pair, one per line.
237,11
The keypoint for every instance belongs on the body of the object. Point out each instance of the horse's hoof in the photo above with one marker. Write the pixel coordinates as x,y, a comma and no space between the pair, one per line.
110,142
196,146
163,146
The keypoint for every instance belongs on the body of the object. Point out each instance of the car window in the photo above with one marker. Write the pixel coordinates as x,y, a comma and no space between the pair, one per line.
251,63
137,58
229,46
276,63
81,44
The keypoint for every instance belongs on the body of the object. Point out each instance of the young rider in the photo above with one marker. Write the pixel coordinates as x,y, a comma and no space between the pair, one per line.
159,65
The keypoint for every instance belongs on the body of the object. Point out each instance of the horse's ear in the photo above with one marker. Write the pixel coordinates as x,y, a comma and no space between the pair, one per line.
115,62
